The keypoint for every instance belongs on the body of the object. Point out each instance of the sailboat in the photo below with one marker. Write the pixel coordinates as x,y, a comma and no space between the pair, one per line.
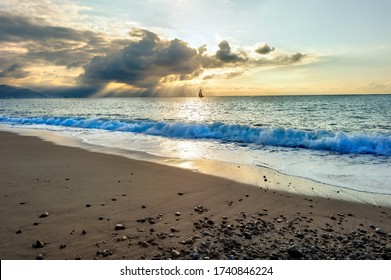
200,94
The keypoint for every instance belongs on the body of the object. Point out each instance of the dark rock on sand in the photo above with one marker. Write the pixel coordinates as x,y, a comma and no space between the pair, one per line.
38,244
44,215
380,231
119,227
294,252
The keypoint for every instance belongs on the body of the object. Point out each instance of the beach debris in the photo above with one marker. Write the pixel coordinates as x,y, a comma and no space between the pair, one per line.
119,227
38,244
44,215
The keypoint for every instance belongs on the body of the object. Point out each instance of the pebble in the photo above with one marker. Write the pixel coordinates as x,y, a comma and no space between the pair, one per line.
144,244
104,253
44,215
174,230
19,231
175,253
119,227
380,231
38,244
294,252
177,213
188,241
40,257
63,246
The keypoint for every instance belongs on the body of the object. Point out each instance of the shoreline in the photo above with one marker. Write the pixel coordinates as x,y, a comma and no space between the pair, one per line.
166,212
241,173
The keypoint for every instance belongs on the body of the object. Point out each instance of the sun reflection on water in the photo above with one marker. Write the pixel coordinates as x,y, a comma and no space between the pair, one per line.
194,110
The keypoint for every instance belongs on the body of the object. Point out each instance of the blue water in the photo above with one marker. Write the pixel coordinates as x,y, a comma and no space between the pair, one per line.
331,139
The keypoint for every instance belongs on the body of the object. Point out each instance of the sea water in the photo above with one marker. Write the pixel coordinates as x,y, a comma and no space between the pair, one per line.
343,141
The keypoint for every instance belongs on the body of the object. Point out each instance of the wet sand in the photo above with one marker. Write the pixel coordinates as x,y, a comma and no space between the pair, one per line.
60,202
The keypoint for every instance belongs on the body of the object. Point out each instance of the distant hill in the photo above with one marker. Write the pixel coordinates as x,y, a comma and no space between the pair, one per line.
11,92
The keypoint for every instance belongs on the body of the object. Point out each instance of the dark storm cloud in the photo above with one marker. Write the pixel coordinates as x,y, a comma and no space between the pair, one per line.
145,62
54,44
15,71
226,55
142,59
265,49
17,28
149,61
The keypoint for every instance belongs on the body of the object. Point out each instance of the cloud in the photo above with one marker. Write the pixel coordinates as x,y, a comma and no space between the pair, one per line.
56,45
15,70
264,49
142,60
143,63
226,55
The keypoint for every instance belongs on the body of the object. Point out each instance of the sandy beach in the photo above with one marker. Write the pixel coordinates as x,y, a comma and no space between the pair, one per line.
62,202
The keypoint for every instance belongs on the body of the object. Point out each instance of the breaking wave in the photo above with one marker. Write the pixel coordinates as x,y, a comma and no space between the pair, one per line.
340,142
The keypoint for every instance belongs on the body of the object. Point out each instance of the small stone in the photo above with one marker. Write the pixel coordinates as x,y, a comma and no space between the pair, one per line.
40,257
63,246
380,231
294,252
143,206
83,232
174,230
119,227
101,218
88,205
44,215
333,217
38,244
177,213
175,253
180,193
144,244
188,241
19,231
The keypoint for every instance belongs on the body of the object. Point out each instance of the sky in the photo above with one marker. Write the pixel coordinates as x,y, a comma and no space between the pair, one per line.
174,47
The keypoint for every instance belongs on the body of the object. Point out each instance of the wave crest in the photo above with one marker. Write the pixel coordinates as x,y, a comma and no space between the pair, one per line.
340,142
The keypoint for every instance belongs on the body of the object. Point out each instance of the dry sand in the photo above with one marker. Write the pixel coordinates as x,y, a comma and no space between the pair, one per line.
166,212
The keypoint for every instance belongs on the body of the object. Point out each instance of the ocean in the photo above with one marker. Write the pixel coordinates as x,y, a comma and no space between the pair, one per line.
339,140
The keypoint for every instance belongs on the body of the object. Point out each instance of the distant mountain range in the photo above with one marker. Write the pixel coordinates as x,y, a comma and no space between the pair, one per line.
11,92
